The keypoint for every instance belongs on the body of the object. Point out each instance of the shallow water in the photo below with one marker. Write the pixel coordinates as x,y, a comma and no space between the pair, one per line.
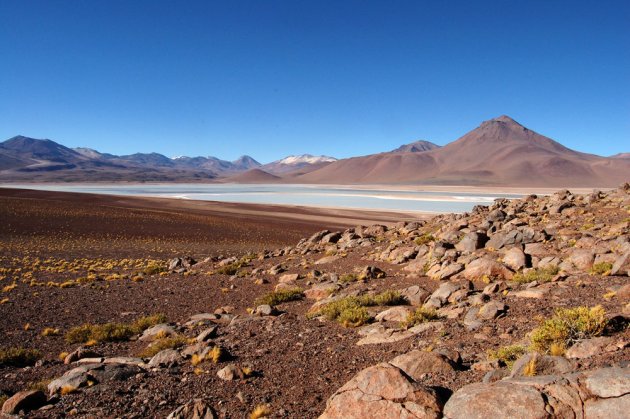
304,195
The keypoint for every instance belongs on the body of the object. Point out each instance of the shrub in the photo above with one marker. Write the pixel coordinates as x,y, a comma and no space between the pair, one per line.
154,269
421,315
111,332
545,274
345,278
19,357
278,297
49,331
233,268
567,326
261,411
215,355
158,345
424,239
602,268
508,354
351,311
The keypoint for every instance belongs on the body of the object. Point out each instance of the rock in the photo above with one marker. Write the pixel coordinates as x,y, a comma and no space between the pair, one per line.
588,347
80,353
417,363
607,408
621,265
371,272
415,295
471,321
287,278
196,409
326,260
320,291
230,372
542,364
394,314
537,293
158,331
515,258
495,375
382,391
24,401
381,334
500,400
165,358
331,238
492,310
207,334
265,310
582,259
608,382
448,271
471,242
502,239
83,375
486,267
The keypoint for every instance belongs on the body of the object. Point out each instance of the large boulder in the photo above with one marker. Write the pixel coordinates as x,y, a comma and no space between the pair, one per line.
417,363
24,401
600,393
383,391
486,267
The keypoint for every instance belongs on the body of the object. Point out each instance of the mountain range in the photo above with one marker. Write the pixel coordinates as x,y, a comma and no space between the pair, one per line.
500,152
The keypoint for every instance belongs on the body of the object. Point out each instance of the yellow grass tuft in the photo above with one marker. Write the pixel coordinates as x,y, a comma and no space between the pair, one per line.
260,411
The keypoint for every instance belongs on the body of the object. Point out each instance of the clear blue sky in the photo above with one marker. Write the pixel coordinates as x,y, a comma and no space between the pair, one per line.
343,78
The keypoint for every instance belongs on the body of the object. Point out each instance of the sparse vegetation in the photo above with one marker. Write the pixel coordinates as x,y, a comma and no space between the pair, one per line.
234,267
111,332
261,411
602,268
351,311
545,274
278,297
49,331
215,355
345,278
19,357
171,342
508,354
530,369
424,239
420,315
567,326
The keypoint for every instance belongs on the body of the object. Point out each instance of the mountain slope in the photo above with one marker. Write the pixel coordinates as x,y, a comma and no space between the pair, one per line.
499,152
303,163
416,147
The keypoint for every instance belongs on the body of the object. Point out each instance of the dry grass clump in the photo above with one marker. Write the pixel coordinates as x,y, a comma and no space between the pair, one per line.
531,369
424,239
352,312
278,297
567,326
49,331
260,411
214,355
19,357
508,354
421,315
3,398
234,267
602,268
158,345
345,278
111,332
153,269
545,274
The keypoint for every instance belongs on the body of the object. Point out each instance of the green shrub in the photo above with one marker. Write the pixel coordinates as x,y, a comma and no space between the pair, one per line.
171,342
351,311
602,268
421,315
508,354
424,239
278,297
567,326
112,332
19,357
545,274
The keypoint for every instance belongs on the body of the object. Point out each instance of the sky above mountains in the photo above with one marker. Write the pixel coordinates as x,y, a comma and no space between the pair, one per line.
338,78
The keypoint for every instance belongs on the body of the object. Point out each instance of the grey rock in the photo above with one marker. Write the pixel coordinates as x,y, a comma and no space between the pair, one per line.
165,358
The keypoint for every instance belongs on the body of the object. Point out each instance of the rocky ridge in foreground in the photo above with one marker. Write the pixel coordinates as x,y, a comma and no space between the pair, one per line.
519,309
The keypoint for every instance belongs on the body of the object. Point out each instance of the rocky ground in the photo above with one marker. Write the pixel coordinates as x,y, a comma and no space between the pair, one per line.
519,309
